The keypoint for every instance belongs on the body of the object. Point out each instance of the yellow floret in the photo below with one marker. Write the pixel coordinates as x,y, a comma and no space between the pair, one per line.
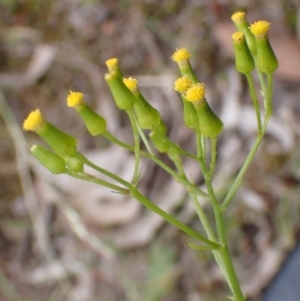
181,55
238,17
131,83
195,93
112,63
34,121
75,99
182,84
238,37
260,28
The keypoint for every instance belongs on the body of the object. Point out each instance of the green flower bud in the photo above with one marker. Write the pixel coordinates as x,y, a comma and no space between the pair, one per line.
190,117
95,124
181,85
61,143
124,99
147,116
242,25
74,164
244,62
209,124
266,59
51,161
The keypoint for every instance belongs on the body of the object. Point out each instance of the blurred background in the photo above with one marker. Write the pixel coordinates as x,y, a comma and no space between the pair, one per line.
63,239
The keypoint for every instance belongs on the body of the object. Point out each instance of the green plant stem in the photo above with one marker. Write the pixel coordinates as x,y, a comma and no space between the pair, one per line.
261,82
137,150
148,204
238,180
171,219
224,254
90,178
175,146
213,157
202,217
255,102
199,210
145,140
164,166
269,95
203,143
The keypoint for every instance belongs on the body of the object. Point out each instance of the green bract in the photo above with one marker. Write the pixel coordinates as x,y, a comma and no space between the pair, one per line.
123,97
95,124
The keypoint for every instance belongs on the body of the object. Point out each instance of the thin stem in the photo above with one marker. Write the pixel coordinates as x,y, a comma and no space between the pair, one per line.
90,178
269,95
145,140
171,219
255,101
178,178
137,150
175,146
199,210
213,157
203,143
261,82
238,180
101,170
224,258
150,205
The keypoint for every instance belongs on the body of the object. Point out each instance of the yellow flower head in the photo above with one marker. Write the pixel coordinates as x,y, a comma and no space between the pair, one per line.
238,37
260,29
112,64
34,121
238,17
75,99
195,93
181,55
182,84
131,83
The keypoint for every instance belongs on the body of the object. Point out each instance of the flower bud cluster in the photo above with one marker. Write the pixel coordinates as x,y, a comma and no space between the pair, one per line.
251,45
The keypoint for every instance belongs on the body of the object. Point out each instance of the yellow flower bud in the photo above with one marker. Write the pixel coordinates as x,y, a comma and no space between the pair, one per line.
181,56
266,59
131,84
113,65
209,123
95,124
61,143
75,100
148,117
34,122
182,84
242,25
195,93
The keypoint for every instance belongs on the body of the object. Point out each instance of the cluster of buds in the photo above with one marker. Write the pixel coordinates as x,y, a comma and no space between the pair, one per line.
251,45
197,114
